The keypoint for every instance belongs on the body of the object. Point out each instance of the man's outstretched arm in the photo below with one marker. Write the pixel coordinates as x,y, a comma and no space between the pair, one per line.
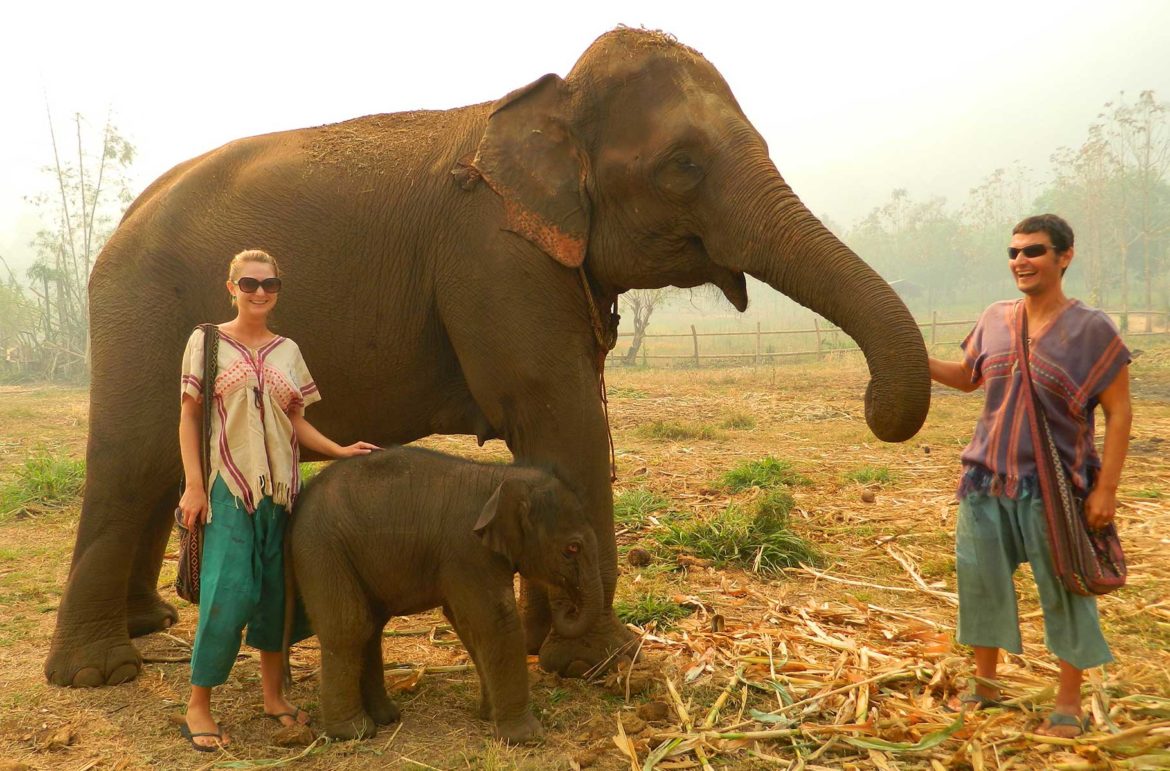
952,373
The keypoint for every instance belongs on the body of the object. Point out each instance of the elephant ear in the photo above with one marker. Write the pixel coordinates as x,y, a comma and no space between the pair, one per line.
503,520
530,158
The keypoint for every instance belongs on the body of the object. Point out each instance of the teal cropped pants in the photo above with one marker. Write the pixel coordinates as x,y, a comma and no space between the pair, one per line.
994,535
241,586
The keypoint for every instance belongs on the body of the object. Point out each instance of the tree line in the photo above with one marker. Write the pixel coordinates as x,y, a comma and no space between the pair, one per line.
1114,189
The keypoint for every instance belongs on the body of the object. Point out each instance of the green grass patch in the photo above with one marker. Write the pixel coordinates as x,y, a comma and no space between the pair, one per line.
764,473
938,567
626,392
632,507
738,421
671,430
310,470
773,510
647,607
761,541
45,482
1148,492
868,475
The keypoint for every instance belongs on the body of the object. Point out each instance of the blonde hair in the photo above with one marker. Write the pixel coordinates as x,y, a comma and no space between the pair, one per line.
250,255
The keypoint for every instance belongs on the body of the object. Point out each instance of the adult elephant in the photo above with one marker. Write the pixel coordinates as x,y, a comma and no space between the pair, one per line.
437,265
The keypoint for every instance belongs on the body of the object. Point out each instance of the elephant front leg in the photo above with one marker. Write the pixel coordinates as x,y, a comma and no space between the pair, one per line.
491,628
484,710
603,646
377,702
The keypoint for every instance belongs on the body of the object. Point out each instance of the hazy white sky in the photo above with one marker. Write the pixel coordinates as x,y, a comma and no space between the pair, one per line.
854,98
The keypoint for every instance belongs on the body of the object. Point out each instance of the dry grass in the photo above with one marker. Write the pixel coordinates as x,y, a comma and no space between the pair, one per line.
812,663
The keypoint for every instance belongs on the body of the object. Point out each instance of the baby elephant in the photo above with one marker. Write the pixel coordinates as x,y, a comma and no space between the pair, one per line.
405,530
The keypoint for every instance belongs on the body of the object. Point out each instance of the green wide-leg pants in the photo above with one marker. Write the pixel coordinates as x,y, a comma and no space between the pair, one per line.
241,585
994,535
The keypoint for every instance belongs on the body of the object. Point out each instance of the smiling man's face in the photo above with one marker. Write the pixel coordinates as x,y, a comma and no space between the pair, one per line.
1039,274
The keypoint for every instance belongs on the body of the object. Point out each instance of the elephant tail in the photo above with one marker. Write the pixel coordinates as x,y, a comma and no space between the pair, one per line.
290,604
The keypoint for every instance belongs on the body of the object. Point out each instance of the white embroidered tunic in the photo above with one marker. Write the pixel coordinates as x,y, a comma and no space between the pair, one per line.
253,445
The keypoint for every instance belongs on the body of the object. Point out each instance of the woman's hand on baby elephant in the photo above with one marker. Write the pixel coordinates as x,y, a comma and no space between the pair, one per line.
357,448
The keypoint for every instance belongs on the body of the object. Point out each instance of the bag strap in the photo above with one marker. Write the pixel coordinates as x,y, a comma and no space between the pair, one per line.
1042,443
1036,418
210,371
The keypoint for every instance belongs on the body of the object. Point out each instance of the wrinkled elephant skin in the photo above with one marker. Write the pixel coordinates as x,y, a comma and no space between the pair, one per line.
405,530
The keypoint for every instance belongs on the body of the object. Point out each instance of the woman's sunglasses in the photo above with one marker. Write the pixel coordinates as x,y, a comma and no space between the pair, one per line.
248,285
1031,250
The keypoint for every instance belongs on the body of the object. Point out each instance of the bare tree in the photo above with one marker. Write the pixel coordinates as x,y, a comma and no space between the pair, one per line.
1140,134
91,190
640,305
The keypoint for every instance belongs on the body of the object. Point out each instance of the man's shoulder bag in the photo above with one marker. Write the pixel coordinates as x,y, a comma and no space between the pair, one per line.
1087,561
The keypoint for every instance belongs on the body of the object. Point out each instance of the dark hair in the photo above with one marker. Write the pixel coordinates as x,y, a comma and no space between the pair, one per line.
1057,229
1059,232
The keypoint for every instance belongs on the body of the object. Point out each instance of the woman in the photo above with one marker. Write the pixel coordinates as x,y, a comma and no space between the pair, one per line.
260,393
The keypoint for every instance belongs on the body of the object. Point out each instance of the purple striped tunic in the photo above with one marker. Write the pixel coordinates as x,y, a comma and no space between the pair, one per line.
1073,360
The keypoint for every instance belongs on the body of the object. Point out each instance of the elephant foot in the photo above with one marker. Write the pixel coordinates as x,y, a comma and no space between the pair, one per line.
93,664
147,614
382,709
595,652
523,730
360,727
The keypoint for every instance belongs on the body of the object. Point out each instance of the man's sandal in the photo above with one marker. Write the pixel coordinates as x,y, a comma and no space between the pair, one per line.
1064,720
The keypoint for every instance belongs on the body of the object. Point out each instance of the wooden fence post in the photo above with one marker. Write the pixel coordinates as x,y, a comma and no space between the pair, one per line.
933,327
695,337
759,348
817,329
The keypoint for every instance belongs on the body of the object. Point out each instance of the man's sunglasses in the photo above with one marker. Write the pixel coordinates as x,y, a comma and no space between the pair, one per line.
1031,250
248,285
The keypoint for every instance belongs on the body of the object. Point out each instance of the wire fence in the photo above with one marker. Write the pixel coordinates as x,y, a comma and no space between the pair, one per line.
822,341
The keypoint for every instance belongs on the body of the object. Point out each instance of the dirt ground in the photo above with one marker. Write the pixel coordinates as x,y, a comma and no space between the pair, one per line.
766,671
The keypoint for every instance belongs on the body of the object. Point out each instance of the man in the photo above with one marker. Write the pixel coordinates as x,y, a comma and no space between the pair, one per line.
1078,361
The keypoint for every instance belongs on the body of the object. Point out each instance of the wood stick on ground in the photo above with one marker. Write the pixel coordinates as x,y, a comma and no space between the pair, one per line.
908,566
851,582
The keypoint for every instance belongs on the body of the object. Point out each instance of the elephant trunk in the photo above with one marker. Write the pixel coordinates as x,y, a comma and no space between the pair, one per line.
783,244
587,597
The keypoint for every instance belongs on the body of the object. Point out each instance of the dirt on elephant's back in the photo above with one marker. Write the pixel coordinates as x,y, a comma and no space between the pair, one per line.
373,140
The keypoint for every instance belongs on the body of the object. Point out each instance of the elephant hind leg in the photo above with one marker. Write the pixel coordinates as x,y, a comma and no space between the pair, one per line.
341,616
377,702
146,611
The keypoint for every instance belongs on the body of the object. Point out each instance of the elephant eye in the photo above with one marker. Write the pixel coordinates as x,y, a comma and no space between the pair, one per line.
572,549
680,173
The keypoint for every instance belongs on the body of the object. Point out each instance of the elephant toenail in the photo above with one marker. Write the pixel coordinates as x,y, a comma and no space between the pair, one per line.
89,677
122,674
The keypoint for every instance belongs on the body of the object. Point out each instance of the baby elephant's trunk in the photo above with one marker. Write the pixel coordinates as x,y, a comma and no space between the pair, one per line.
587,598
